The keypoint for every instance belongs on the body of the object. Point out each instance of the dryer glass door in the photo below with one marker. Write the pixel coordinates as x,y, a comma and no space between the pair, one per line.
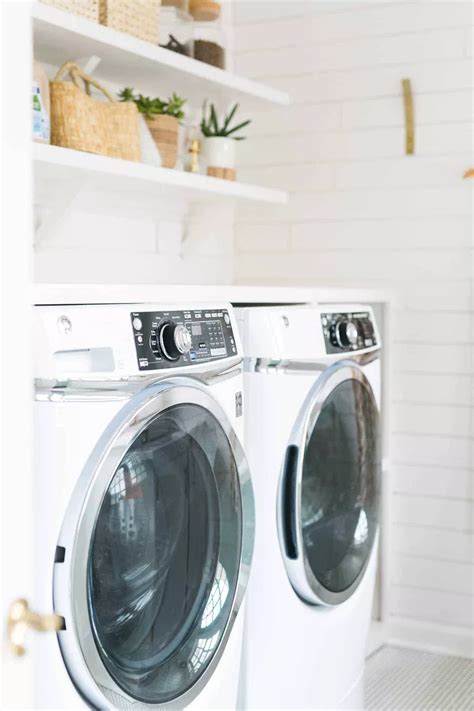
163,562
331,483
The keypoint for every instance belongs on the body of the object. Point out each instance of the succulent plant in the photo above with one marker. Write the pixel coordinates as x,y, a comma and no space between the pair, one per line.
211,128
153,107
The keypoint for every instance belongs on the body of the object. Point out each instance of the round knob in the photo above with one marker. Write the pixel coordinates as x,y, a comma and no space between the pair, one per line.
174,340
347,333
182,339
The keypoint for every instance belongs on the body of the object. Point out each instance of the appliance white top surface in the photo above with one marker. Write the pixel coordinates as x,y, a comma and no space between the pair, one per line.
154,293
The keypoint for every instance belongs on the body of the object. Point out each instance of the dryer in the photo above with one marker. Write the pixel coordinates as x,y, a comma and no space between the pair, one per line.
312,438
144,505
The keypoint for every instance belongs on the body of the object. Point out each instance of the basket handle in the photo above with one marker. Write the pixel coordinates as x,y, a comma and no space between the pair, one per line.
76,73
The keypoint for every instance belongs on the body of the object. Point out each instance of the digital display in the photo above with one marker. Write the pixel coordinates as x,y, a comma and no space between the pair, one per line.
196,329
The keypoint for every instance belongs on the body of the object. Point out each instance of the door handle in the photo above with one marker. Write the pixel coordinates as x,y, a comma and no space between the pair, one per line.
21,619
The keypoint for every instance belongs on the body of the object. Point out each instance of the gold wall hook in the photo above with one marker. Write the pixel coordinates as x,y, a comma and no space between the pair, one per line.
409,117
21,619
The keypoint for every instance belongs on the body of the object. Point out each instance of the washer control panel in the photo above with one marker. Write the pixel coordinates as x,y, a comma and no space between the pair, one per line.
347,332
170,339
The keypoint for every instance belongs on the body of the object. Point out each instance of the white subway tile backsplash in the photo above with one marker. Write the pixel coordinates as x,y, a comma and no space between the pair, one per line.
364,205
425,480
452,514
415,327
248,13
447,295
428,542
400,172
262,238
317,177
397,266
449,576
355,145
427,450
376,82
327,56
295,119
448,358
370,21
432,605
431,389
383,234
435,108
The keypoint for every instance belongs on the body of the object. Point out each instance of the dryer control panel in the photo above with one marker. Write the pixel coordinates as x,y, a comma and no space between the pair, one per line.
169,339
348,332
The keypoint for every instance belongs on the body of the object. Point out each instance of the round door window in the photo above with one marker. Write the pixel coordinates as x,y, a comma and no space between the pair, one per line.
165,555
339,486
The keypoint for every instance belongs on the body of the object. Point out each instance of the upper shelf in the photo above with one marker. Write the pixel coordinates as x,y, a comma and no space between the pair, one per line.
128,61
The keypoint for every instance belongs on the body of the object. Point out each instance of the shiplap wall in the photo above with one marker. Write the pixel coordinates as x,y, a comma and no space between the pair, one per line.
363,213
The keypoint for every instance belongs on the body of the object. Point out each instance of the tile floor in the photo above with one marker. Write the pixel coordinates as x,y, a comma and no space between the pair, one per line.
408,680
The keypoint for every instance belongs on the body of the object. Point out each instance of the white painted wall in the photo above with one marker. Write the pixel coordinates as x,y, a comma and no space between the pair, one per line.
363,213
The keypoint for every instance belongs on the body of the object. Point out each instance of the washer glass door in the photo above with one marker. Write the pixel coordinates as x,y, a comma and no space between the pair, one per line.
330,487
163,564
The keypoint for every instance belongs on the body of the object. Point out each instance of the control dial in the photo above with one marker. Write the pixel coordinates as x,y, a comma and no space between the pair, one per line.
346,333
175,340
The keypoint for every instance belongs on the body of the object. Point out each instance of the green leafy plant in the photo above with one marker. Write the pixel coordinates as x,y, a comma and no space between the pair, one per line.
211,128
153,107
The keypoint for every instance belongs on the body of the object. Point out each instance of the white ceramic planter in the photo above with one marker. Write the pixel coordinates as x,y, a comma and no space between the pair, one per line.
220,152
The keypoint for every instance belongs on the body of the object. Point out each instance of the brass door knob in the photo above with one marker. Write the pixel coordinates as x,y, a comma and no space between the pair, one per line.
21,619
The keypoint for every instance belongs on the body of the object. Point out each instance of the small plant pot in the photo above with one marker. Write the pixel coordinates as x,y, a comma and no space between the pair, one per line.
165,131
220,156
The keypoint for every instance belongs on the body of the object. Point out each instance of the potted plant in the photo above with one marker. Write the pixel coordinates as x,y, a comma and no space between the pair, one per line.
219,145
162,118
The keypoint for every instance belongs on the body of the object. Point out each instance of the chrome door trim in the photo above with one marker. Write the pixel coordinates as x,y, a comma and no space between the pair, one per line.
298,569
100,390
288,366
70,577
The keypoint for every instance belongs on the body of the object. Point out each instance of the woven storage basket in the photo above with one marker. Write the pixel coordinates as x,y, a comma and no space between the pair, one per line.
140,18
86,8
83,123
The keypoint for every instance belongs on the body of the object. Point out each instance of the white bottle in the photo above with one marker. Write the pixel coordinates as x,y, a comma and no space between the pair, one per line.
41,105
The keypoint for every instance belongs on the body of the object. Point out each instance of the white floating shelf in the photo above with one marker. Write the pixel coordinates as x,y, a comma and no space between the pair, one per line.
123,185
128,61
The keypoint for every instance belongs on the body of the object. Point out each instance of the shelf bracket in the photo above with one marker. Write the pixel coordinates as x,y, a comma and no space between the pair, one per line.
51,224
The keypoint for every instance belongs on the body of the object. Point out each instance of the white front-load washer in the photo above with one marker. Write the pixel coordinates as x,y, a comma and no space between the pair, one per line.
144,505
312,438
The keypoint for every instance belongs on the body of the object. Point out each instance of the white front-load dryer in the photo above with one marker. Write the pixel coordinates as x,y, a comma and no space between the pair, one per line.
144,506
312,438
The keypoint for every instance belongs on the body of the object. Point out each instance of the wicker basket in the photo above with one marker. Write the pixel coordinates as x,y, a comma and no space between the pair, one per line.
165,130
86,8
80,122
140,18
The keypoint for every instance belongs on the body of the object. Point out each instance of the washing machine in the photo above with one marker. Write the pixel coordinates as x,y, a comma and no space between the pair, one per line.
144,514
312,438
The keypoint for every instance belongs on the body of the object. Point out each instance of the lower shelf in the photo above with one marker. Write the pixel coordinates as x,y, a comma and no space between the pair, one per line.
61,171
